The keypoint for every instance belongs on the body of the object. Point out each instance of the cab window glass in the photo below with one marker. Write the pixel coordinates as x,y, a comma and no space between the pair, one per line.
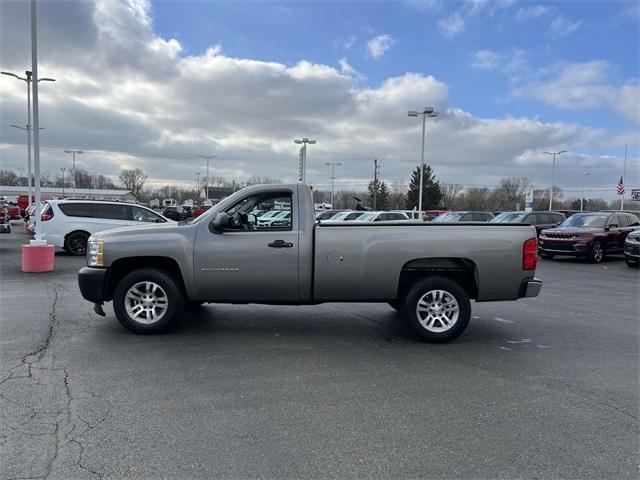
623,221
262,211
633,221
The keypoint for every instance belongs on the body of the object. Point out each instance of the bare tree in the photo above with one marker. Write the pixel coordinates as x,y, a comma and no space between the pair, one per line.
475,198
398,196
450,192
259,180
133,180
511,193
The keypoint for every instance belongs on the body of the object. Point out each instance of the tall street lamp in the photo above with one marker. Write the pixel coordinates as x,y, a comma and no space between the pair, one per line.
73,154
62,170
584,176
28,79
27,129
426,112
208,157
303,170
553,175
333,166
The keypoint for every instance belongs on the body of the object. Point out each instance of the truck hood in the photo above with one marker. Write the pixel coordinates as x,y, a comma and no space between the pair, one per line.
145,229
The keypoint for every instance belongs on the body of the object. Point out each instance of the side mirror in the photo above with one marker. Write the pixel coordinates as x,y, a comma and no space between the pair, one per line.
220,222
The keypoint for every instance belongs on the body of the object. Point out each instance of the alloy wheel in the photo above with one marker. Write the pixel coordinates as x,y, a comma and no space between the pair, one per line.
146,302
437,311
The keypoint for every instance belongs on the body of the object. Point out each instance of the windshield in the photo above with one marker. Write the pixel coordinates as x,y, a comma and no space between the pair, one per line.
509,217
340,216
597,221
367,217
449,217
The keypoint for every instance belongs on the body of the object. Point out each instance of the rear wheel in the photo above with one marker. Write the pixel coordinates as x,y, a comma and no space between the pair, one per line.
596,253
547,256
146,301
76,243
437,309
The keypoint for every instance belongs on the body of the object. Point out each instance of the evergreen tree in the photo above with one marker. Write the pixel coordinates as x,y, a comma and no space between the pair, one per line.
378,189
431,194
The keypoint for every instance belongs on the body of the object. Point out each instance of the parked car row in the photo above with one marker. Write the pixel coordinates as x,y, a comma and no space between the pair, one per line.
590,235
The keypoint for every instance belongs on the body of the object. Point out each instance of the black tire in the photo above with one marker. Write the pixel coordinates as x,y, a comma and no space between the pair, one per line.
631,263
76,243
171,291
421,289
596,252
547,256
395,305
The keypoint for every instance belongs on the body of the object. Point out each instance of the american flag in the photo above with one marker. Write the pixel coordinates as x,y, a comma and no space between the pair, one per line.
621,187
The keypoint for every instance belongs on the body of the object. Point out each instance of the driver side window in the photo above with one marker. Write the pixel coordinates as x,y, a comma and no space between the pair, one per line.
262,211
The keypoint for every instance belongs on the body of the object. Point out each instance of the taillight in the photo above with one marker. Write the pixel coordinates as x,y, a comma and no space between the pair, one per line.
46,217
529,254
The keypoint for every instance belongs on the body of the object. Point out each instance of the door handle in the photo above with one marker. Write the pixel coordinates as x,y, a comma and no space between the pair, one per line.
280,244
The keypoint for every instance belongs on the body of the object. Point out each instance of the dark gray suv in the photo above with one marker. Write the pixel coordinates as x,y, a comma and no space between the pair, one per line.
540,220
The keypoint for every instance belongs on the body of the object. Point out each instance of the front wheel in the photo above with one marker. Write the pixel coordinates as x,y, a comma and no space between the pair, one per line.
146,301
437,309
631,263
596,253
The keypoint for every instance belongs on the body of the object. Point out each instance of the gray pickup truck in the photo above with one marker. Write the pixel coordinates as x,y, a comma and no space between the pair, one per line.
428,272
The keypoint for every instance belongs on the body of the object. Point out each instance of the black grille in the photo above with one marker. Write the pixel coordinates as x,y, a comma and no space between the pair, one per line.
558,246
559,235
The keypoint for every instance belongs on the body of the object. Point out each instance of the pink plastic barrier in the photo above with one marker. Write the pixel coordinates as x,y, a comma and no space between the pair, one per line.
38,258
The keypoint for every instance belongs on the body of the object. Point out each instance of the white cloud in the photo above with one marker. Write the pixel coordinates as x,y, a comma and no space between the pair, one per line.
561,27
347,69
512,62
452,25
380,45
131,98
581,86
533,12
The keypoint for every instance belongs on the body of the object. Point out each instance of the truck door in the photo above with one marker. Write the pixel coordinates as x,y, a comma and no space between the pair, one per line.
250,261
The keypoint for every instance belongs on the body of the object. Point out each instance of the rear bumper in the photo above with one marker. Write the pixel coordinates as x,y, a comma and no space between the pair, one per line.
92,283
530,288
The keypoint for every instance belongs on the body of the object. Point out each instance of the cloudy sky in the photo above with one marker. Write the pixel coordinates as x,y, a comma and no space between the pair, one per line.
153,84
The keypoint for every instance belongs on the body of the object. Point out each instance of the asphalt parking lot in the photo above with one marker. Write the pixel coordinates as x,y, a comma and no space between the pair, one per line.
540,388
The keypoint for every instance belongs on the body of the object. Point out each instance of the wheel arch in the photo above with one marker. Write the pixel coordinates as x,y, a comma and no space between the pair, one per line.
461,270
123,266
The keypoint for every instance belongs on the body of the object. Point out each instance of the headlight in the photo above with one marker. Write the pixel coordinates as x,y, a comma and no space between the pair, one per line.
95,253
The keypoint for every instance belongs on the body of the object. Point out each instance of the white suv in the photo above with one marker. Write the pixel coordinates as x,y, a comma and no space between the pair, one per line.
69,223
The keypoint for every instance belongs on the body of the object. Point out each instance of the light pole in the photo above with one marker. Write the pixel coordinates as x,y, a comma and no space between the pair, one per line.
553,175
62,170
333,166
426,112
208,157
27,79
73,154
304,142
198,185
584,176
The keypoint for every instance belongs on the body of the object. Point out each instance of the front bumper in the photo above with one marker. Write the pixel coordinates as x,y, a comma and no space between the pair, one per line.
564,247
93,284
632,250
530,288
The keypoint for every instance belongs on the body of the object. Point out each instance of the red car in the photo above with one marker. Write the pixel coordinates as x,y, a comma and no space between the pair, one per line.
200,210
588,235
14,212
